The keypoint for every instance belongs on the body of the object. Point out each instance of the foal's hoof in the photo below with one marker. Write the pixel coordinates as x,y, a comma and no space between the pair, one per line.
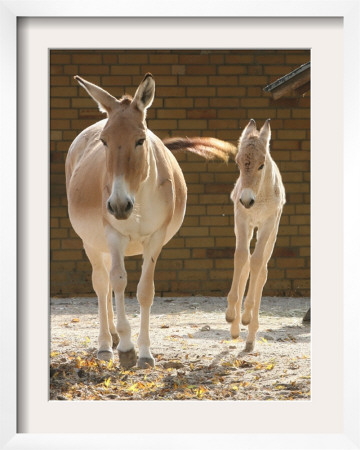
127,359
145,363
234,331
105,355
229,316
115,340
249,347
246,318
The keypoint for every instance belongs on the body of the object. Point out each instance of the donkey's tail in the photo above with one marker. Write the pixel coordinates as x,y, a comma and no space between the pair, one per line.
207,147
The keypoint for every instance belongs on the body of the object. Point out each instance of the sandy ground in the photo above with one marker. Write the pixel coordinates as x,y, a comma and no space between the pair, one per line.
194,353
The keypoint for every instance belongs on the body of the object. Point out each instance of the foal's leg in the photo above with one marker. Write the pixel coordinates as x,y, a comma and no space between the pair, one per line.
100,281
118,277
241,274
145,295
258,275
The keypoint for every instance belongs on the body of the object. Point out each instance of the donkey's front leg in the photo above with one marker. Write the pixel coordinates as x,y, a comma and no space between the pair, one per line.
118,278
145,295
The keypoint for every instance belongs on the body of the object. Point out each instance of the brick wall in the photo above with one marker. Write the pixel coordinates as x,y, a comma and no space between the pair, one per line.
198,93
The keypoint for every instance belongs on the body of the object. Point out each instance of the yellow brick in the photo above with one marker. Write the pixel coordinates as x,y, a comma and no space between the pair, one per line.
198,263
221,274
199,242
133,58
87,58
221,231
297,273
193,275
117,80
237,69
58,58
201,91
192,124
223,80
175,253
185,80
165,275
231,91
194,231
163,58
162,124
225,242
66,255
171,114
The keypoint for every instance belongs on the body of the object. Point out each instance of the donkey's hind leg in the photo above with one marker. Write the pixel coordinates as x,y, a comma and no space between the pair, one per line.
100,281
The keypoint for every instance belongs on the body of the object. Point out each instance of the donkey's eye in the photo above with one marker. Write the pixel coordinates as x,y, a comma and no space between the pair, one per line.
102,140
261,167
140,142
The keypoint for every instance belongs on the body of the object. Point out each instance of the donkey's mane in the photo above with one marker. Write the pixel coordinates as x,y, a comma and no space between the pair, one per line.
125,100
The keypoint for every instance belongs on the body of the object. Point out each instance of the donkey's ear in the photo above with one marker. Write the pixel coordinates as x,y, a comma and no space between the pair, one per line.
249,129
145,93
265,132
105,101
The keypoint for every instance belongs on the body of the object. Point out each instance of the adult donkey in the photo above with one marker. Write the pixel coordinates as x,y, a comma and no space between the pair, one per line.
259,197
126,196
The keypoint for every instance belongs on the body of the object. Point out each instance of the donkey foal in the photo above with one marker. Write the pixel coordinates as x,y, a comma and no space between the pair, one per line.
259,197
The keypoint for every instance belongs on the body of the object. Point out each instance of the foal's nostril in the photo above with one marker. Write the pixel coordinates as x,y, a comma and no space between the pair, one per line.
251,202
128,206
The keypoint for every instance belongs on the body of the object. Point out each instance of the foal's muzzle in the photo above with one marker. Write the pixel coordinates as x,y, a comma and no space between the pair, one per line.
247,198
248,204
121,211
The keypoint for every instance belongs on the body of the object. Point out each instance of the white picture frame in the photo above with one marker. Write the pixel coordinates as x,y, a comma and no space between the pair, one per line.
10,438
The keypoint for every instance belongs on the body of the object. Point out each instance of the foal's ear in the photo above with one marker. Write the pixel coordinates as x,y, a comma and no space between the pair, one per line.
265,132
145,93
249,129
105,101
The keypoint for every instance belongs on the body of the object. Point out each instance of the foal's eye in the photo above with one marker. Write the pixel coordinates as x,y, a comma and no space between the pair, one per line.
102,140
140,142
261,167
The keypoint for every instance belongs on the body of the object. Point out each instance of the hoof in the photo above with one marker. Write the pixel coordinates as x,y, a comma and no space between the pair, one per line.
145,363
235,332
115,340
249,347
105,355
246,318
127,359
229,317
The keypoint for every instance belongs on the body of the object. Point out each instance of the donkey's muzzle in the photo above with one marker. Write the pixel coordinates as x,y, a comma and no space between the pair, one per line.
121,211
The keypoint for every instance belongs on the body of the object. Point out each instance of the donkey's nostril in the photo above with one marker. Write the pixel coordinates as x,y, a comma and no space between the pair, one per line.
110,208
251,202
128,206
